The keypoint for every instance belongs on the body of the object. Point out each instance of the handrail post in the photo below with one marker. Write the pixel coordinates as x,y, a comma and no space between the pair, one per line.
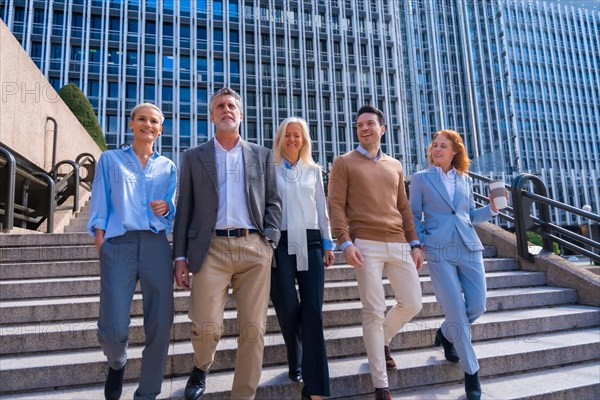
521,212
51,200
75,166
523,220
54,140
10,175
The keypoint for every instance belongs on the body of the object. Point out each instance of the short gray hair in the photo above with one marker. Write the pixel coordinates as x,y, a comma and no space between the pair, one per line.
226,91
146,105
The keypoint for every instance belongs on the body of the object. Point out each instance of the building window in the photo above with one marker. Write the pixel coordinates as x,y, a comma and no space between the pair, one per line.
36,50
167,93
150,28
131,91
93,88
150,60
184,94
202,96
167,62
149,93
113,90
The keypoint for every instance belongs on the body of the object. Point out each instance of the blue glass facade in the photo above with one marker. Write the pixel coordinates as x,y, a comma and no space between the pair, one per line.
518,78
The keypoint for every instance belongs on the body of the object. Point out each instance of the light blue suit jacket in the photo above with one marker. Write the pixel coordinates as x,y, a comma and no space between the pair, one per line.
437,217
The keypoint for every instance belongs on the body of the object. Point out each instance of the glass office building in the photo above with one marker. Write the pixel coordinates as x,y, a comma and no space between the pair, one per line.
520,79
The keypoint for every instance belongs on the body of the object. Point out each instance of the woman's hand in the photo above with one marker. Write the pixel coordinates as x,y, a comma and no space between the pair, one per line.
99,239
491,200
159,207
329,258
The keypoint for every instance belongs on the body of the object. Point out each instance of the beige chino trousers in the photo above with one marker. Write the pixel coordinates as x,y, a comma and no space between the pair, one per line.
245,264
379,328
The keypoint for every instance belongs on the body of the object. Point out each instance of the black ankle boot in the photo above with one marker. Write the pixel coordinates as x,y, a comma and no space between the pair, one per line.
472,386
449,350
114,384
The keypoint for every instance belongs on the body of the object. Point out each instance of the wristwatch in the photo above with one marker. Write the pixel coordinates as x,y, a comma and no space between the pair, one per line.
415,246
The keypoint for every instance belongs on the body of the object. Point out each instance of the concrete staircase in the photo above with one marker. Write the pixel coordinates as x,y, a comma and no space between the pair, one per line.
534,341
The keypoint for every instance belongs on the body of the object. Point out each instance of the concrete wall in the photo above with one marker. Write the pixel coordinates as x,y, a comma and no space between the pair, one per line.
559,272
26,100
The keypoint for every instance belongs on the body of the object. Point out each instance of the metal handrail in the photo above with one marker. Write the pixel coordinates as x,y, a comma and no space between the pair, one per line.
9,200
523,199
65,180
56,191
88,162
51,200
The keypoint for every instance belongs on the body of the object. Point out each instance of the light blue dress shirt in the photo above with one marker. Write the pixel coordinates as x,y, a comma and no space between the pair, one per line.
365,153
122,192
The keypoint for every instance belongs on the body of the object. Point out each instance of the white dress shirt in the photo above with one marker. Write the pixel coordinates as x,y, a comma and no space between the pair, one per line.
233,201
449,181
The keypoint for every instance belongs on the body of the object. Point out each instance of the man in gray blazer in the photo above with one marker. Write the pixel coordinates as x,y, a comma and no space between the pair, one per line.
226,227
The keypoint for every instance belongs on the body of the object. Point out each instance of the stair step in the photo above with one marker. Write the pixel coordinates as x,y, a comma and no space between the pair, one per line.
579,381
79,222
47,239
81,333
49,269
74,229
81,307
83,215
45,252
348,376
57,269
48,253
334,290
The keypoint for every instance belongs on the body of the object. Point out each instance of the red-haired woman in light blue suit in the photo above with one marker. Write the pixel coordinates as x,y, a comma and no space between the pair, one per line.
441,199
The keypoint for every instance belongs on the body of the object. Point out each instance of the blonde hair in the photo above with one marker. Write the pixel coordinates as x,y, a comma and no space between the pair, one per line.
146,105
278,143
460,161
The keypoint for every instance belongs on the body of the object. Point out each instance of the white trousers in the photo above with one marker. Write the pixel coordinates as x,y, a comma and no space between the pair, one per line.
378,328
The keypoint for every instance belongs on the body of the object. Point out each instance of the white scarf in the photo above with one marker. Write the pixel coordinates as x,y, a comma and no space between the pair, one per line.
290,187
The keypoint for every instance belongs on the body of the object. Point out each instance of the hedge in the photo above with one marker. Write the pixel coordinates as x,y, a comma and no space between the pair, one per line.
81,107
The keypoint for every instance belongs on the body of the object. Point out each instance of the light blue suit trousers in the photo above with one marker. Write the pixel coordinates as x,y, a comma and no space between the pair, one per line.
454,254
453,268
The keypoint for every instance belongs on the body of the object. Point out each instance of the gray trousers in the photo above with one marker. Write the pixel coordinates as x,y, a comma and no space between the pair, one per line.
147,257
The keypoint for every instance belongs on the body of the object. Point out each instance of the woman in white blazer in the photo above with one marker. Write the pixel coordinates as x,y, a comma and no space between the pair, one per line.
441,199
305,248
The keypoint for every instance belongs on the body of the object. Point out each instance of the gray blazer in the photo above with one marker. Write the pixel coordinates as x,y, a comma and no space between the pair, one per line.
198,199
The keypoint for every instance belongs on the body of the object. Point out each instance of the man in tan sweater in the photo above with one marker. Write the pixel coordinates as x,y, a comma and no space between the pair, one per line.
373,223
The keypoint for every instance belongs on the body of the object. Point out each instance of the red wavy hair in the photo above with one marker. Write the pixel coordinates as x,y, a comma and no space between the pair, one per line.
460,161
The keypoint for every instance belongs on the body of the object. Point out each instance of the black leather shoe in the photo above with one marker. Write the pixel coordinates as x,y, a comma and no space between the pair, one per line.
114,384
295,376
304,397
196,385
472,386
449,350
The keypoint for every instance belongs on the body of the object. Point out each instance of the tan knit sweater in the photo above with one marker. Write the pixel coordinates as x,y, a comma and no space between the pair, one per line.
367,200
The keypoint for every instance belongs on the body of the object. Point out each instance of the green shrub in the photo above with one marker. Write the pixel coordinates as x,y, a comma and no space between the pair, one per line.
80,106
537,240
